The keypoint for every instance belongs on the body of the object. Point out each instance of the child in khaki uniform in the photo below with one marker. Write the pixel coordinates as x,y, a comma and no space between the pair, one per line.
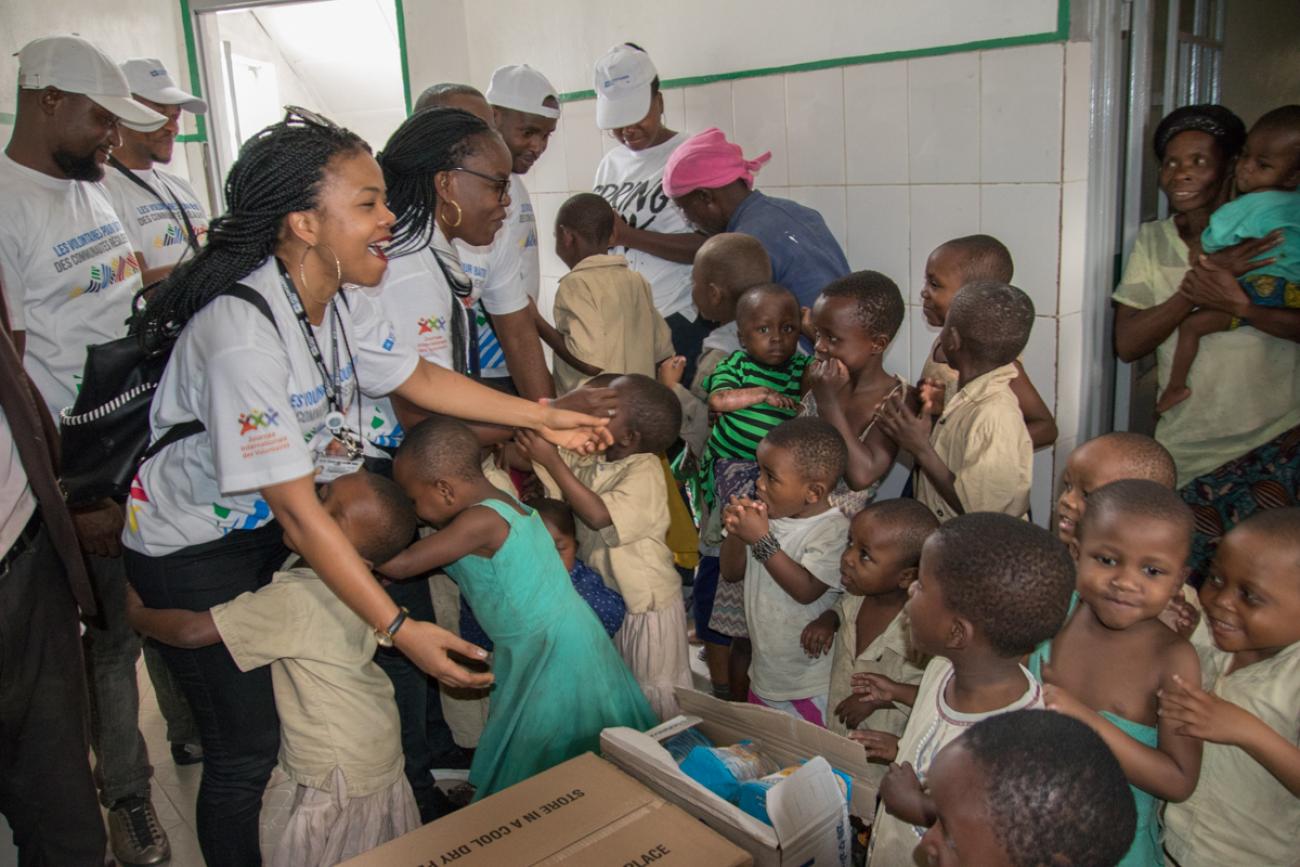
978,457
1246,807
621,501
866,627
605,317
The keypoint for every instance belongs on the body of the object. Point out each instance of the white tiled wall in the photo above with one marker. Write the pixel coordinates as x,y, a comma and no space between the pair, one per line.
899,157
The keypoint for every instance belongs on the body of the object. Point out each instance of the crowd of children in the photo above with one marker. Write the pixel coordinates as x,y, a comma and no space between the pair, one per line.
1023,696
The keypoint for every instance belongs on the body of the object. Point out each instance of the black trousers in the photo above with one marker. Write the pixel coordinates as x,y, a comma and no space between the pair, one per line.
46,790
235,710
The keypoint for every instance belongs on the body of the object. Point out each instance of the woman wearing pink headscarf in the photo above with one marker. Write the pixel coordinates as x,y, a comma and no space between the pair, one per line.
654,234
709,178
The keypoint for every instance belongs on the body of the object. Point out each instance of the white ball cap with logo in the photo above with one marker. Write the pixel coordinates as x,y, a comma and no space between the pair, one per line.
149,79
623,77
522,88
76,65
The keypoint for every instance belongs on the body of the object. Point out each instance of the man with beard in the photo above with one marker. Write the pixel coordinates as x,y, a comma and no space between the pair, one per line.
70,274
161,213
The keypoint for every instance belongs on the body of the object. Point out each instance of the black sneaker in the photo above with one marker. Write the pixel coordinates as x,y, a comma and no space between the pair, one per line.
187,754
135,835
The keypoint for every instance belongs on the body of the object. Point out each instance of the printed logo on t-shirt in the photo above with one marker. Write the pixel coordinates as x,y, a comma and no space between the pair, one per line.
228,519
105,274
637,202
256,419
174,235
430,335
135,497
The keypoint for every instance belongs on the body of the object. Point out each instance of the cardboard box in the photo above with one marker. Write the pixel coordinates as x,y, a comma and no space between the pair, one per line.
809,819
584,812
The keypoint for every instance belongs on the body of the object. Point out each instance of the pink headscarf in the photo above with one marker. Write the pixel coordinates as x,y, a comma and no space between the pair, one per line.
708,161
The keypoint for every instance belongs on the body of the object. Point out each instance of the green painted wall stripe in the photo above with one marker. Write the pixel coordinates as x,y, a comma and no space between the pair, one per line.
401,50
1061,34
200,133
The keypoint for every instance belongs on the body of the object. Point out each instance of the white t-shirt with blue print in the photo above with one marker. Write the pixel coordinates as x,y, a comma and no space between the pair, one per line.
261,398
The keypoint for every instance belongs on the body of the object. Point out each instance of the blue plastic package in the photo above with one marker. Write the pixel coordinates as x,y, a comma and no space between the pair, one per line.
721,770
680,744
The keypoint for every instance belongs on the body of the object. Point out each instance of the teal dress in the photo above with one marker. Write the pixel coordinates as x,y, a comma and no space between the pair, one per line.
1145,851
559,678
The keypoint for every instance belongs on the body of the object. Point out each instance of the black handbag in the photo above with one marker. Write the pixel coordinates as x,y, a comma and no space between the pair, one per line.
105,432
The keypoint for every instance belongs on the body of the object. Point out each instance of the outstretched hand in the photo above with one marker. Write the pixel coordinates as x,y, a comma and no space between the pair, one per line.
1203,714
429,646
575,431
906,426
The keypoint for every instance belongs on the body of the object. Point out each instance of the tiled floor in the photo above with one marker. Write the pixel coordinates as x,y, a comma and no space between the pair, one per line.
175,788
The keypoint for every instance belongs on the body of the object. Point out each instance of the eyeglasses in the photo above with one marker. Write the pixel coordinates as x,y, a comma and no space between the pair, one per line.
502,185
311,118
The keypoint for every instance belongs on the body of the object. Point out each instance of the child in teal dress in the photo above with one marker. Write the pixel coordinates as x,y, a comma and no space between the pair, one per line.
559,679
1113,656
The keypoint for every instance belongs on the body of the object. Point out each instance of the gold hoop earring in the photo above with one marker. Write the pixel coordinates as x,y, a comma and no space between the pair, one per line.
460,215
302,270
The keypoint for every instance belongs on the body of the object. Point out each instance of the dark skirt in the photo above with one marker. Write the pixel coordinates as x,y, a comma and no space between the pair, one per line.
1267,477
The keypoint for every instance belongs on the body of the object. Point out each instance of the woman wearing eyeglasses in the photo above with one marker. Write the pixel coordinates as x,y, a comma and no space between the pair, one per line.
276,378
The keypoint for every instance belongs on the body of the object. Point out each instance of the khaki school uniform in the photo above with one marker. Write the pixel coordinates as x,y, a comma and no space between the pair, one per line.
607,315
981,436
1240,813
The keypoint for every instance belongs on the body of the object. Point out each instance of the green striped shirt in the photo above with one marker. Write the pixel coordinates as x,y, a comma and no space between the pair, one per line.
736,434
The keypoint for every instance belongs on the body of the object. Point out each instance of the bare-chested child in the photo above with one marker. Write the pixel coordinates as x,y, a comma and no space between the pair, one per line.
950,266
1109,458
853,322
1113,656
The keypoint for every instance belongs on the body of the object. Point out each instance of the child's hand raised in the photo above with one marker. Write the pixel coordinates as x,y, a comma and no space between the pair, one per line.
535,449
670,371
1181,616
878,689
747,519
904,425
818,636
879,746
827,379
933,393
903,796
1203,714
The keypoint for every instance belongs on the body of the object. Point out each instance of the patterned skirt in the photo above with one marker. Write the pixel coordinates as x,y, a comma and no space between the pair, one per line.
1268,477
733,479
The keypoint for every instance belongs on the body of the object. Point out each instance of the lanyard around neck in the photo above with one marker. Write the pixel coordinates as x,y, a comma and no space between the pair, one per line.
333,381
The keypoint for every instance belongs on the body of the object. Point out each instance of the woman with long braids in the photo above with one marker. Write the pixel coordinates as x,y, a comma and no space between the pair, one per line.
279,398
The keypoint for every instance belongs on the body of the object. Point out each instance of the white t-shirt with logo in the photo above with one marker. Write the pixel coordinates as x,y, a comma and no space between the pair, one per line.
69,274
633,182
416,299
261,398
153,223
506,274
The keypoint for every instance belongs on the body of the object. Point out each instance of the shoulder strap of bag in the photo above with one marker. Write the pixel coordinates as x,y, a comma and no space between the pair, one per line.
178,432
192,239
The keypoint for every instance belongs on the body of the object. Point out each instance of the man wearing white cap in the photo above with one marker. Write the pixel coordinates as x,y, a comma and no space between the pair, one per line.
525,109
70,274
163,217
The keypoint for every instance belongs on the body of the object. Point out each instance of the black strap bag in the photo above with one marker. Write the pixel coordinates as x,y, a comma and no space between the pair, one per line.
106,432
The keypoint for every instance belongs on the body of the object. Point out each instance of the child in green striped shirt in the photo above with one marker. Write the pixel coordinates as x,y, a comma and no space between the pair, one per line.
756,388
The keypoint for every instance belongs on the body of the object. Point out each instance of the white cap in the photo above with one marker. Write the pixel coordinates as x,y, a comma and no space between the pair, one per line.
149,79
623,79
75,65
522,88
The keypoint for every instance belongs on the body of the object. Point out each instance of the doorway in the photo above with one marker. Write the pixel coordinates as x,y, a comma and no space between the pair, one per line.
339,58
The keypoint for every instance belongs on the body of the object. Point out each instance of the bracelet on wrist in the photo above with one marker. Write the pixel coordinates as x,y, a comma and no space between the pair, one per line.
765,547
